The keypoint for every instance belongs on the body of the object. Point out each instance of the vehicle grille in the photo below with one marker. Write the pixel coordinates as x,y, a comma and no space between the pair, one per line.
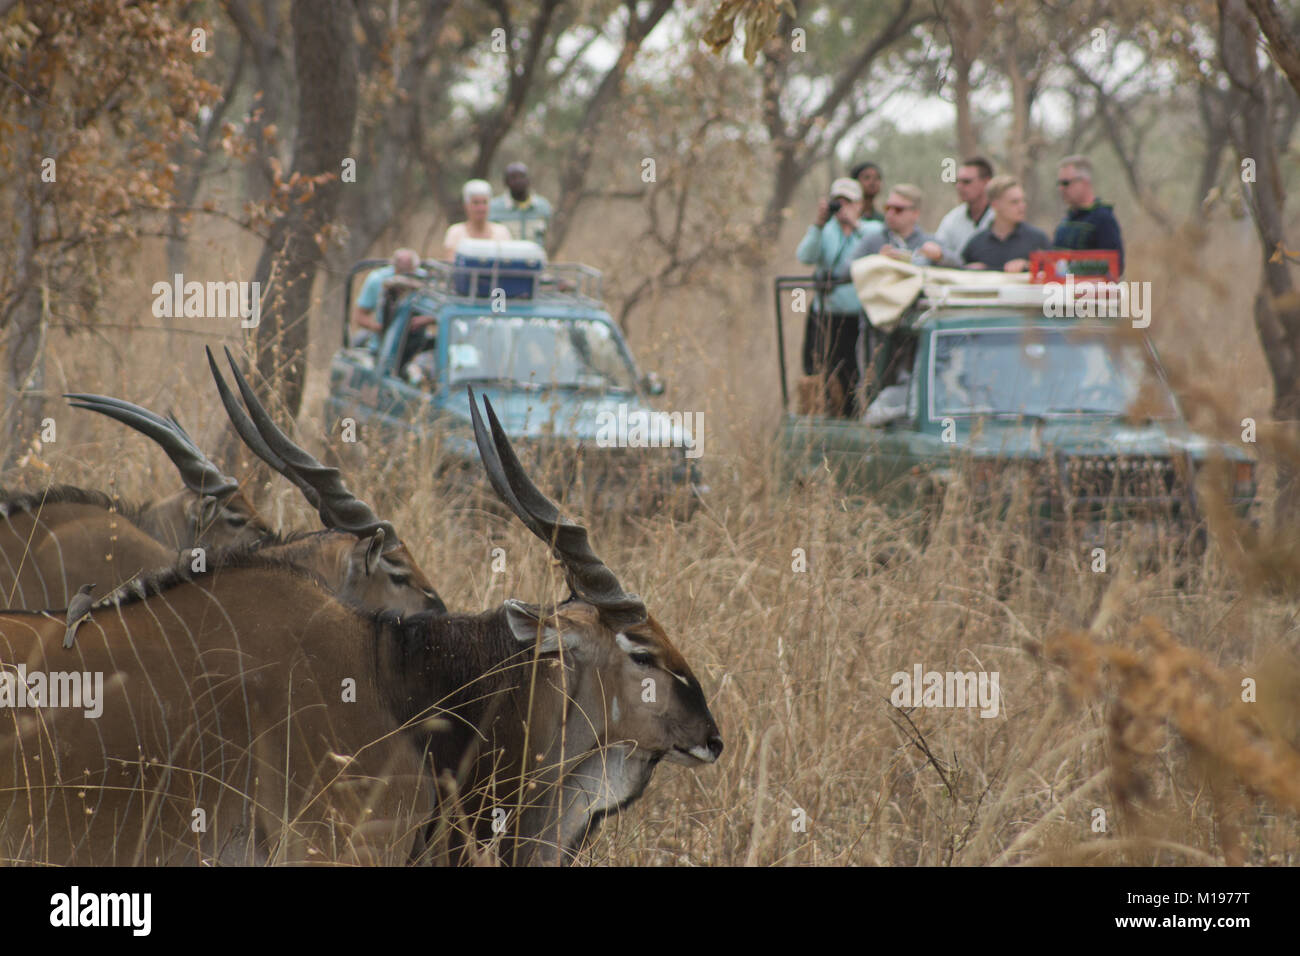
1100,480
602,480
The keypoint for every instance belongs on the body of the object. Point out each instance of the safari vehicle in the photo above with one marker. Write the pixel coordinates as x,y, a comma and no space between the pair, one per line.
540,344
986,383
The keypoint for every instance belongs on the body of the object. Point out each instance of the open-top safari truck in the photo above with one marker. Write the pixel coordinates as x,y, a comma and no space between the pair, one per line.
1013,386
538,341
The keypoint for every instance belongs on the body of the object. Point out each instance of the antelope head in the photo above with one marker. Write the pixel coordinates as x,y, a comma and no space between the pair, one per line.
634,699
211,511
363,558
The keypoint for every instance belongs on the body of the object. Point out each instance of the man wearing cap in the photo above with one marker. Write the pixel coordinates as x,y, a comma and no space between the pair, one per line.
521,211
830,342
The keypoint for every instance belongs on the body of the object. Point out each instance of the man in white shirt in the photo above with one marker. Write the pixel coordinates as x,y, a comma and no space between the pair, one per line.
973,214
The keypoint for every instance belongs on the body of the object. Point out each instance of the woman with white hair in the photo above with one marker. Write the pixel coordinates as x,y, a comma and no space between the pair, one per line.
477,194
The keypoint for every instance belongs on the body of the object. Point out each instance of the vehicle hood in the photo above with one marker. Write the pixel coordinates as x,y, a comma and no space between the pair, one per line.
616,420
1109,437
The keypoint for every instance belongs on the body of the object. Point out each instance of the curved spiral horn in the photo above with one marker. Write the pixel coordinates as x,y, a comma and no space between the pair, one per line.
338,508
200,475
247,431
587,575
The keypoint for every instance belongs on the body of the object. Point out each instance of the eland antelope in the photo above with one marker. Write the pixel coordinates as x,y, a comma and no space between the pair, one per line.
211,511
55,541
359,555
251,715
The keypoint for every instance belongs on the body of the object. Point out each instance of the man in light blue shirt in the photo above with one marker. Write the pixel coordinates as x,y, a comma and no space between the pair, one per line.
830,344
520,210
368,324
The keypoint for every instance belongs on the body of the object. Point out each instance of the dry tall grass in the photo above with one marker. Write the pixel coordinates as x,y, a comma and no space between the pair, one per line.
1120,690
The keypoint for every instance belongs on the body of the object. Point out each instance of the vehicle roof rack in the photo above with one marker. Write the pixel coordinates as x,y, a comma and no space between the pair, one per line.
945,294
567,282
1106,298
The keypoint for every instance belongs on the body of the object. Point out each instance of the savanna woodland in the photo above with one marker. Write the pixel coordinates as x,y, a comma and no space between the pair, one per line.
1146,700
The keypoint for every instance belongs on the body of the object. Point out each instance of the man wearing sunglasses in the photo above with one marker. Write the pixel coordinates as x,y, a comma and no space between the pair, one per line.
1088,223
902,238
973,213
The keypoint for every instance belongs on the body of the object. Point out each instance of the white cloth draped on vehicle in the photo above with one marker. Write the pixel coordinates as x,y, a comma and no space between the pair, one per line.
888,287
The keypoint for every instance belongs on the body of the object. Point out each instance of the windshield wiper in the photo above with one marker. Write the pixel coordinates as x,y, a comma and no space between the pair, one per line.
1083,411
497,380
602,386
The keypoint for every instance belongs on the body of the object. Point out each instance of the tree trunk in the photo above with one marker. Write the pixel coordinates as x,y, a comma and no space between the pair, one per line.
966,25
1018,132
389,156
966,142
326,70
258,29
786,178
1277,307
192,162
25,328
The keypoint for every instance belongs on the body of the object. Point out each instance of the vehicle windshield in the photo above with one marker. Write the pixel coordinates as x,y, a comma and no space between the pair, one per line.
542,352
1045,372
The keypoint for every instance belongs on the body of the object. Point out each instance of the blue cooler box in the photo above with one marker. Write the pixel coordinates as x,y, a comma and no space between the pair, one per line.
522,262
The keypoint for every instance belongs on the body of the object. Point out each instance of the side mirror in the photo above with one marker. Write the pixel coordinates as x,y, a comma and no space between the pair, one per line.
653,384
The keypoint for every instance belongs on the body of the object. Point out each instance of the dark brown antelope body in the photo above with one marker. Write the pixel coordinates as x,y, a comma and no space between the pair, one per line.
225,696
53,542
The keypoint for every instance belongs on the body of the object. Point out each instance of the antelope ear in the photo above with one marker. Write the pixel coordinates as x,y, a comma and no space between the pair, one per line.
374,551
206,509
527,621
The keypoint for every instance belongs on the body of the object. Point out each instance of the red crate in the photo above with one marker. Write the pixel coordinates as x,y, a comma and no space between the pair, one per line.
1050,265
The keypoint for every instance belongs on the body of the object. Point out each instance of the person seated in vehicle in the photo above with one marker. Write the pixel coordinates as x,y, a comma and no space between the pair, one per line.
1006,244
420,337
830,344
1088,223
526,214
477,195
890,404
369,326
890,379
422,370
902,238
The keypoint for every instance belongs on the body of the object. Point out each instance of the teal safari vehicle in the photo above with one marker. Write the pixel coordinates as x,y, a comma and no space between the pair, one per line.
988,386
538,341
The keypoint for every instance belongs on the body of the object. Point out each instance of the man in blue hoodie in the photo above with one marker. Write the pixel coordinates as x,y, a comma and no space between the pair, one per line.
1088,223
